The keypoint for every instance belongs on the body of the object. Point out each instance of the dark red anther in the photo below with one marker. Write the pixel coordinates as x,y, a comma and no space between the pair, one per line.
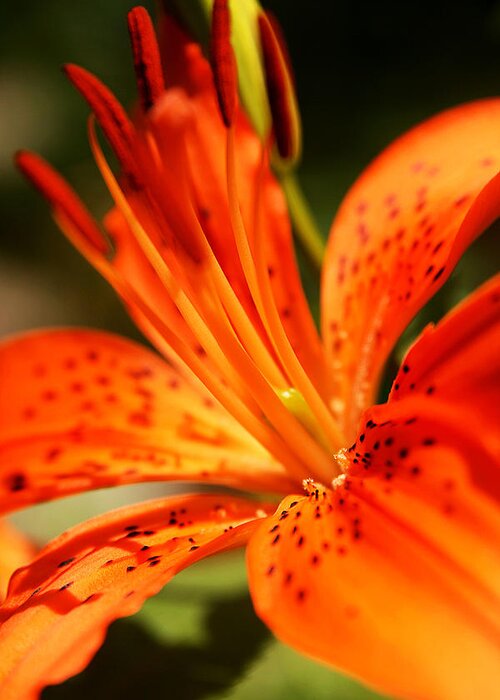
147,61
223,61
280,91
280,38
109,113
61,197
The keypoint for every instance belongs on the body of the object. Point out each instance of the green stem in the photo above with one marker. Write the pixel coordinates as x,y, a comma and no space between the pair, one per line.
303,221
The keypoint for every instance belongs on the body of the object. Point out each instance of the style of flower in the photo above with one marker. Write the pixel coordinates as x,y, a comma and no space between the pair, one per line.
384,560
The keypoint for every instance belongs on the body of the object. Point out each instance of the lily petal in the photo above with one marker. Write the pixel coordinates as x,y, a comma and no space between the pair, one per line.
397,236
458,359
15,551
103,570
398,432
85,409
381,581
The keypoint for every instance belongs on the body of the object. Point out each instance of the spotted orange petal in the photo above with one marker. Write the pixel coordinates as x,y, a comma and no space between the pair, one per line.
15,551
396,581
398,235
458,360
84,409
58,609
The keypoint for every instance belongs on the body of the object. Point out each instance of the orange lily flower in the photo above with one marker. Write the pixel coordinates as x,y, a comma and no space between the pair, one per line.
384,560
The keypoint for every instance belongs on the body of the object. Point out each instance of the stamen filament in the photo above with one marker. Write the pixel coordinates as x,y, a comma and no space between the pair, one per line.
266,397
178,296
322,468
262,432
282,344
260,288
230,354
246,330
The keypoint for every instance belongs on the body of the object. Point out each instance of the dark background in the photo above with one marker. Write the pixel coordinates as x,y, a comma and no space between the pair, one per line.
366,71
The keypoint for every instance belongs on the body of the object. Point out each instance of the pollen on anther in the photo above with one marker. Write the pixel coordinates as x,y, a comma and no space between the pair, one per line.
111,116
61,197
147,61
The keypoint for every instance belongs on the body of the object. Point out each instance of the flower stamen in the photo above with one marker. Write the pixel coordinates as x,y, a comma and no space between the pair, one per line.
225,349
63,199
174,289
226,295
280,339
321,462
281,93
147,61
223,61
111,116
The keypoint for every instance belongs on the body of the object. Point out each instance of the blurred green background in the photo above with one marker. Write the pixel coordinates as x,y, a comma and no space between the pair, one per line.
366,71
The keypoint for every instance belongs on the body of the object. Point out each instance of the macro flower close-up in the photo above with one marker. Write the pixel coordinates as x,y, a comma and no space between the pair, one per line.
370,514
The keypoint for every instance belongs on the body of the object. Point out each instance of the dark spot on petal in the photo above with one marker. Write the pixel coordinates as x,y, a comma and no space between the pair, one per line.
133,533
66,562
16,482
438,274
